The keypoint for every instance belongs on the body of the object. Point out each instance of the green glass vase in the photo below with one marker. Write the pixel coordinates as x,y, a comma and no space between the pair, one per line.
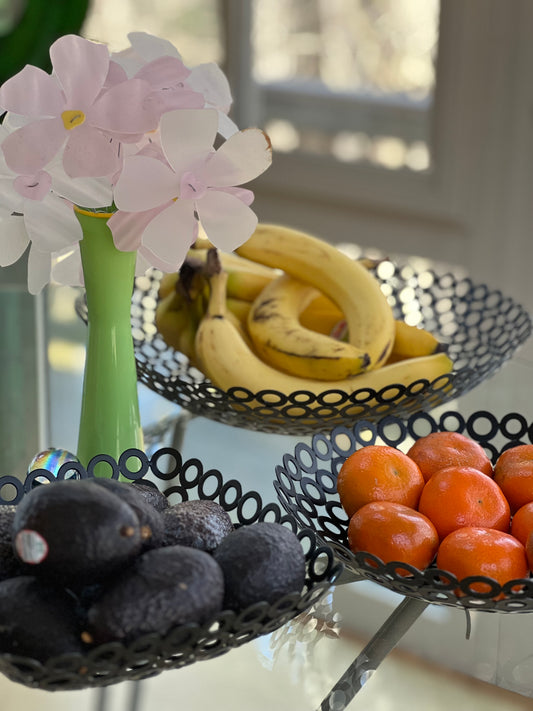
110,419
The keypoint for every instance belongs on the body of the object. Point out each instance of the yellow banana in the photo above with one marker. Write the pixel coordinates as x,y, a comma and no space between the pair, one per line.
412,342
171,317
167,284
281,341
228,362
323,316
346,282
239,308
177,318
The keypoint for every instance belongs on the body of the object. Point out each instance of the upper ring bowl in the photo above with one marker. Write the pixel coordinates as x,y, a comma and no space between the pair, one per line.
480,326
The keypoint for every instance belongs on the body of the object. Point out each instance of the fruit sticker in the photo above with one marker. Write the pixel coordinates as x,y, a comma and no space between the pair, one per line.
31,547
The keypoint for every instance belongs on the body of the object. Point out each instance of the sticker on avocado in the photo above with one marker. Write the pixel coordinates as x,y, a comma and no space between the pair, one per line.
31,547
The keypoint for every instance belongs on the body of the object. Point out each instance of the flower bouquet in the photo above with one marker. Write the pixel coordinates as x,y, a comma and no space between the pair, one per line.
108,167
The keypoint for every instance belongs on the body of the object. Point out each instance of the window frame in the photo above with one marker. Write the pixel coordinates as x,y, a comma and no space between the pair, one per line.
435,213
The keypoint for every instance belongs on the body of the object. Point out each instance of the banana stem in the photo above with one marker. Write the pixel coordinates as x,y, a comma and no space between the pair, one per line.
217,298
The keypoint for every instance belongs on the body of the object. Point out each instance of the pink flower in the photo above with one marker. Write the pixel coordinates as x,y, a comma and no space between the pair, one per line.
207,79
193,182
165,72
71,108
31,214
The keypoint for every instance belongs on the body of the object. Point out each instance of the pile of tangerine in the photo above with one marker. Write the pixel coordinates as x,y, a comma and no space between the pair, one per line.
442,501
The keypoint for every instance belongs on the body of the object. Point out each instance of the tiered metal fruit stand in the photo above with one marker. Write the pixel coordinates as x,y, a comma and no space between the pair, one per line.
482,329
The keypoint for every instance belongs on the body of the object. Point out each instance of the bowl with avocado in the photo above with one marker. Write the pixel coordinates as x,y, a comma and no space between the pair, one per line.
152,563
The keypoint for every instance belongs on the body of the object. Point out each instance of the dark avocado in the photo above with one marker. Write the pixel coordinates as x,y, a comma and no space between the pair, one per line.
10,565
200,524
151,494
37,620
75,532
149,518
263,561
165,587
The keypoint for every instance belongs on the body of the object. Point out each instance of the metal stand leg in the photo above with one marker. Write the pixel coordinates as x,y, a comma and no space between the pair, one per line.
383,642
135,696
180,426
102,697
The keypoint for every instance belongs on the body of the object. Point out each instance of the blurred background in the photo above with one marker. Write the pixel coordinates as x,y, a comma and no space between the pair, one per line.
400,126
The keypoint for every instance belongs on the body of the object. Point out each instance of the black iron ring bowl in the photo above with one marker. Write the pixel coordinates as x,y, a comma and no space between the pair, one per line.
481,328
152,654
305,483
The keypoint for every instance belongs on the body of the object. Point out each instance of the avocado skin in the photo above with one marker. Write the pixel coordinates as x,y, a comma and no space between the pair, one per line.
263,561
149,518
90,532
165,587
37,620
151,494
10,565
200,524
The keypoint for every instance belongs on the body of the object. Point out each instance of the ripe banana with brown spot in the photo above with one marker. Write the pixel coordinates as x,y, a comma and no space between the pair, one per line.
345,281
410,341
281,341
226,359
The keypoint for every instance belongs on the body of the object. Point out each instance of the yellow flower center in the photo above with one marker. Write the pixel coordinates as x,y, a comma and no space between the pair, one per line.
71,119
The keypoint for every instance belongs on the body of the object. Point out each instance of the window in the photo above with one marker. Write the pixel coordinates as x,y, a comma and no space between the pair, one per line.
352,80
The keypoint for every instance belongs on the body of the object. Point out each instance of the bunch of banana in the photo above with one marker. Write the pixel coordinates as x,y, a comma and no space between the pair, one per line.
293,313
182,304
183,297
227,360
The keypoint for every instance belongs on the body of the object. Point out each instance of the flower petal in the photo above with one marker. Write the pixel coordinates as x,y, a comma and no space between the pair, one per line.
10,199
51,224
32,92
226,127
145,183
67,267
164,73
33,187
151,47
127,227
146,258
243,157
163,101
84,192
227,221
123,108
89,153
187,136
13,240
170,234
39,268
142,264
244,195
30,148
115,75
211,81
81,67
